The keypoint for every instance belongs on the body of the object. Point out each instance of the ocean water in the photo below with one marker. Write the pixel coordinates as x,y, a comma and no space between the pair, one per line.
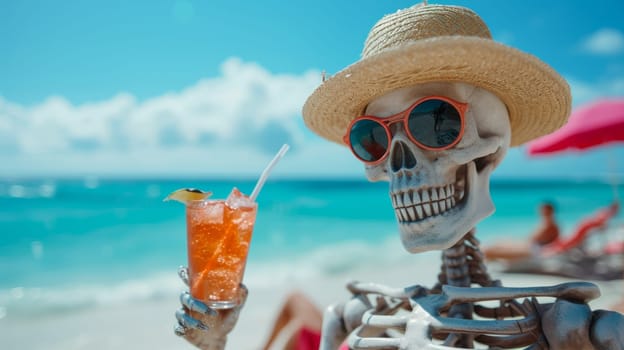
78,243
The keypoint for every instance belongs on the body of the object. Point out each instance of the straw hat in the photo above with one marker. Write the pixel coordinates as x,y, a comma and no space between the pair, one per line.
433,43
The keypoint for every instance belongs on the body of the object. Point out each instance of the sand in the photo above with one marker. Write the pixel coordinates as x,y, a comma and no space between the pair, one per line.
148,324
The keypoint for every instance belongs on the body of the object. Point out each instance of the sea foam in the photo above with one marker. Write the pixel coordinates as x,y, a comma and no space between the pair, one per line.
318,264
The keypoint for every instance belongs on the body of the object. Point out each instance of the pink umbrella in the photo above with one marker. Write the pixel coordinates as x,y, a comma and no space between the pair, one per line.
591,125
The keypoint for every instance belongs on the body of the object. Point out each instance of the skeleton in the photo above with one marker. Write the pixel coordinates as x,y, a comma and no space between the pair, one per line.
379,317
438,197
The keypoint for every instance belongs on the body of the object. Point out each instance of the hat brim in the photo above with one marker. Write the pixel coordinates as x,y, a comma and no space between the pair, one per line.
538,98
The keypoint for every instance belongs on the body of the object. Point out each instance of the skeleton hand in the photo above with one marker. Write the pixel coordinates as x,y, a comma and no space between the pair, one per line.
202,326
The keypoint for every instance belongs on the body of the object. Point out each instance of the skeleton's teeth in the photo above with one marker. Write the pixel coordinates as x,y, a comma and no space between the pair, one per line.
427,208
419,211
412,213
415,205
402,214
407,201
425,196
416,198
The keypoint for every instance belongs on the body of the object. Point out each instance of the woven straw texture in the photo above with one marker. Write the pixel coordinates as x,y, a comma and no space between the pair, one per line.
434,43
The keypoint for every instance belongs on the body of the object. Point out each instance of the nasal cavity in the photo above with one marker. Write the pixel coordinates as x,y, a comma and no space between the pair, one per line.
401,157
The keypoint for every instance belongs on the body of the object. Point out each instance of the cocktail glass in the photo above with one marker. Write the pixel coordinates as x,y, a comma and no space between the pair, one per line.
218,237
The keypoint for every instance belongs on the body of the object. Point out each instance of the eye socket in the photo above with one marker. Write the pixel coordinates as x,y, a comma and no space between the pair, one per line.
435,123
369,140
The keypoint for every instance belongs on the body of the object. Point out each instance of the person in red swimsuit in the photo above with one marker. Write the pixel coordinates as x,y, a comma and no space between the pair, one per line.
297,325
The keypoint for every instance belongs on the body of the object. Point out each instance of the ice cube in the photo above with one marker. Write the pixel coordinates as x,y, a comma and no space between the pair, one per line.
213,213
202,213
236,199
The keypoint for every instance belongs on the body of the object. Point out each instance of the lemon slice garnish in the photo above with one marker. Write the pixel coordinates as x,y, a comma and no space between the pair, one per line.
185,195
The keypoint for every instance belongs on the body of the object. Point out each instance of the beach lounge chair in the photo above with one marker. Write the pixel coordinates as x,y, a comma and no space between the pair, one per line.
589,225
569,257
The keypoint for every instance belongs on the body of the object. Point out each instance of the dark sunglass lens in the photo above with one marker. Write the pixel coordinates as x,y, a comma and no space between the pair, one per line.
369,140
435,123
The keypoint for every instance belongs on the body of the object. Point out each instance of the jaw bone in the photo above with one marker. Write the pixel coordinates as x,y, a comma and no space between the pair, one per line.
443,231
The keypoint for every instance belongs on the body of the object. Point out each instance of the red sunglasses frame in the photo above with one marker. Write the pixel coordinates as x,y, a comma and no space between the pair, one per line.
461,107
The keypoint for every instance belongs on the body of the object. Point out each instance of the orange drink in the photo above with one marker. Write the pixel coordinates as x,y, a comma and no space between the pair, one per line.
218,238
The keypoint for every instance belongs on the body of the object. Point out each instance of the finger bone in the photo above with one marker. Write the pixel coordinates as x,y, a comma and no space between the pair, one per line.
195,305
186,321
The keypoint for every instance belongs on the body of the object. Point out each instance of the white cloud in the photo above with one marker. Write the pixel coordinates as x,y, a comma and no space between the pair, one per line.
314,158
604,42
246,105
584,91
231,124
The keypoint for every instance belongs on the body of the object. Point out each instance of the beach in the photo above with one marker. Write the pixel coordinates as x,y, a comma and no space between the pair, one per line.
91,263
148,324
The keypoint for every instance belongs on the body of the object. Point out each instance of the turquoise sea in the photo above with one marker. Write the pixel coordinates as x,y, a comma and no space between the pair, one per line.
76,243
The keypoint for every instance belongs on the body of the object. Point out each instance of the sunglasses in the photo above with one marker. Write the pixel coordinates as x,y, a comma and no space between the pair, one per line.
433,123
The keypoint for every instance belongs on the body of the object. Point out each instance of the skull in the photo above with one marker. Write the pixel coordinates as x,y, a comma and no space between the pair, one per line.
439,196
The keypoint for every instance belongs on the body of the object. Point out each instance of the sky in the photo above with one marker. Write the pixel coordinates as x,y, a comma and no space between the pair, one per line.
184,88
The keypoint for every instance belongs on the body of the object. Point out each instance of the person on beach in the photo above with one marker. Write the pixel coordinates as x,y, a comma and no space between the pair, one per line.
599,220
297,325
547,241
546,233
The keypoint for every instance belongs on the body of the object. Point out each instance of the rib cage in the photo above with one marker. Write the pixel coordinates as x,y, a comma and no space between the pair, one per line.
453,311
